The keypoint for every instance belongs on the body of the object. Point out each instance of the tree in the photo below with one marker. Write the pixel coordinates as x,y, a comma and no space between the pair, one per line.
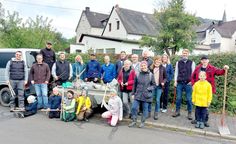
31,33
175,29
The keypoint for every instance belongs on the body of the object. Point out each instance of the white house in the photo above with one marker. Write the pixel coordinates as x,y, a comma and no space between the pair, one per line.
90,23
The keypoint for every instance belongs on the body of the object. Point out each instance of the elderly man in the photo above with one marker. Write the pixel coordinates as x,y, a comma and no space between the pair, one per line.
135,63
183,71
146,57
108,70
93,69
211,72
17,76
39,76
62,69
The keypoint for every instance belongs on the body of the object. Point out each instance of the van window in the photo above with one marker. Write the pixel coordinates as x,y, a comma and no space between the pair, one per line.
5,57
30,58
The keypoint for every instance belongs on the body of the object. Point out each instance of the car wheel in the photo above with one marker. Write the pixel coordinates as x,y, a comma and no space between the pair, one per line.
5,96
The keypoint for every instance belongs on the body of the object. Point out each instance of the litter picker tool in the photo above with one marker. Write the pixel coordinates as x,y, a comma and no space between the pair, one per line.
13,94
223,128
104,96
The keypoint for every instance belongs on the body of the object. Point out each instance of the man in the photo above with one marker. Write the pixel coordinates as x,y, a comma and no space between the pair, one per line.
183,71
17,76
146,57
120,62
135,63
39,76
62,70
108,70
49,55
93,70
211,72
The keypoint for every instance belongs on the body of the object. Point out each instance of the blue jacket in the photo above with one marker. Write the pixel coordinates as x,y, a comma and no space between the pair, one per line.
93,69
169,72
79,67
119,65
54,102
32,107
108,72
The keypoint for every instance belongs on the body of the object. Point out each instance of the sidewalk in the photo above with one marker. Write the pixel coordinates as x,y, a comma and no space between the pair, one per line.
181,123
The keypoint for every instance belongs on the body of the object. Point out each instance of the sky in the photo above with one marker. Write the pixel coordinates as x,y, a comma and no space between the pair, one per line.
66,13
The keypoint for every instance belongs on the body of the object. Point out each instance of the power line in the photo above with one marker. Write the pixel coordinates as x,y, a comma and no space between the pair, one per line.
50,6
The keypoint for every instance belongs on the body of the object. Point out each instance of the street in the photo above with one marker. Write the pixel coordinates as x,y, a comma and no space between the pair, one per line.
39,129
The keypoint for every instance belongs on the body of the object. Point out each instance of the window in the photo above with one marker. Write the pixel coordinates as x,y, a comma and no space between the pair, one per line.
5,57
117,25
137,51
100,51
213,40
110,50
109,27
78,51
30,58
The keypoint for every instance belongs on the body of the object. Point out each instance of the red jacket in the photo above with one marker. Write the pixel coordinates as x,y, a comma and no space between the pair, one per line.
211,72
130,79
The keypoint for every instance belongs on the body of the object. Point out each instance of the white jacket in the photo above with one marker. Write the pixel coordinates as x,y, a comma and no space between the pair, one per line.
115,106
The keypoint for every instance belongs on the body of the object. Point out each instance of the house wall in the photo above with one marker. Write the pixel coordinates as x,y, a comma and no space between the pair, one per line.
134,37
213,34
74,48
96,31
121,33
234,42
83,27
227,45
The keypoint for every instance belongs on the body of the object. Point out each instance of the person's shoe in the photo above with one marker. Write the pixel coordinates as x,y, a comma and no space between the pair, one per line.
12,109
141,125
193,121
197,125
190,116
201,125
85,119
140,113
176,114
155,116
149,114
206,124
132,124
164,110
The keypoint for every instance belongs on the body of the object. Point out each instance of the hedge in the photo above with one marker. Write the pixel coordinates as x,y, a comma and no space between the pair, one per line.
218,60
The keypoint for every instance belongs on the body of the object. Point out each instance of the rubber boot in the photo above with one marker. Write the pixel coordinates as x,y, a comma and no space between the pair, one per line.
155,115
190,116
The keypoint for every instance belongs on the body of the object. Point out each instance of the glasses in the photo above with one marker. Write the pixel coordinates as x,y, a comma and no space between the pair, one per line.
18,54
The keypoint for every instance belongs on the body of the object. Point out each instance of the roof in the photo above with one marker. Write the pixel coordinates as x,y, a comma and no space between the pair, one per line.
109,38
226,29
138,23
95,19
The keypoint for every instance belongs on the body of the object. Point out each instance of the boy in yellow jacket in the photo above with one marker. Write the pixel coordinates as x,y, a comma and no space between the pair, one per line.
84,106
201,98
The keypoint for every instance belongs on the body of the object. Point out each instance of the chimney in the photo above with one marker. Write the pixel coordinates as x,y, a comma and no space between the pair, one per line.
220,23
87,9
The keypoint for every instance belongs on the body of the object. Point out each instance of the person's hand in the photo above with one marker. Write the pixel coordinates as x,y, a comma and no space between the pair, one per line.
162,84
126,83
46,82
122,84
86,79
175,84
95,79
32,82
56,78
84,108
8,82
226,67
132,96
26,82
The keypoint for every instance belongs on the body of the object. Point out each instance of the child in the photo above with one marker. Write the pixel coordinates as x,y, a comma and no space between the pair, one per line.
114,107
30,110
84,106
201,98
68,110
54,104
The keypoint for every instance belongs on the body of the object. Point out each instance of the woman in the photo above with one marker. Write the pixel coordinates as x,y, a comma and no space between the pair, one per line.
159,73
78,68
142,93
126,80
169,76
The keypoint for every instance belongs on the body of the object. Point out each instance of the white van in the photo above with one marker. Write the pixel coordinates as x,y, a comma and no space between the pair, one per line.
28,55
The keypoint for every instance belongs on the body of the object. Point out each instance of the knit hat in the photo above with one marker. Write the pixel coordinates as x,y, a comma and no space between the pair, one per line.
31,99
144,62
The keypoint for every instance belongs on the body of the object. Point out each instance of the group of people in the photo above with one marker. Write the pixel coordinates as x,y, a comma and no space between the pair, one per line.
139,83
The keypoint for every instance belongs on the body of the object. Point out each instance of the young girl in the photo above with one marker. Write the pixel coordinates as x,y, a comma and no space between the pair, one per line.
201,98
159,73
114,107
68,110
54,104
84,106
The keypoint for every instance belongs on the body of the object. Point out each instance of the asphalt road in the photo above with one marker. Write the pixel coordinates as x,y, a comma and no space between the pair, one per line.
39,129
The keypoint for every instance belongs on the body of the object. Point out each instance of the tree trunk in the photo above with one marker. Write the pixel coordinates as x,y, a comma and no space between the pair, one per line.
167,51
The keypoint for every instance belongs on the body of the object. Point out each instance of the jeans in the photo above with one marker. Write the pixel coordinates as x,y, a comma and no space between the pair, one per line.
164,98
127,100
201,113
157,92
135,106
18,87
42,95
188,90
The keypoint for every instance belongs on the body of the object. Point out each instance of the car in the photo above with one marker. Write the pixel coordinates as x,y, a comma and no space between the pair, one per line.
28,55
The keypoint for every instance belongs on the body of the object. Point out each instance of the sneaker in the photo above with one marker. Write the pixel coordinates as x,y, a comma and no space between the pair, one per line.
197,125
164,110
190,116
141,125
201,125
85,119
140,113
176,114
155,116
149,114
206,124
193,121
132,124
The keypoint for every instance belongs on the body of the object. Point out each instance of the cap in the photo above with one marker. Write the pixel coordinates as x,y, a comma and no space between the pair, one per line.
49,42
92,54
204,57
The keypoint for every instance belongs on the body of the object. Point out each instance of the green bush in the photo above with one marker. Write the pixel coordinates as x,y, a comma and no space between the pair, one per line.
217,60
